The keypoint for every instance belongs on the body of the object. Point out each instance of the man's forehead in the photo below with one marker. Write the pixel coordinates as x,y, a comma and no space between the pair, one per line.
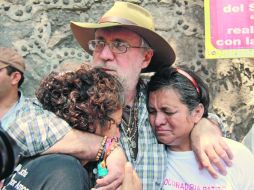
116,32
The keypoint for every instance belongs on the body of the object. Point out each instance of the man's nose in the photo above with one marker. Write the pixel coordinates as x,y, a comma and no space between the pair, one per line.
106,53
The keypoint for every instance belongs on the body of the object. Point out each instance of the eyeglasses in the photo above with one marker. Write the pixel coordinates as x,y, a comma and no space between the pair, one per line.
115,46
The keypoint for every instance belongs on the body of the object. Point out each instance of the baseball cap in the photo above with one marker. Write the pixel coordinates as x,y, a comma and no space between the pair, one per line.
10,57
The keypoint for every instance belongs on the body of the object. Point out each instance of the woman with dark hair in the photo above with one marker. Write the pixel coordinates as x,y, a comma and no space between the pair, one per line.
177,100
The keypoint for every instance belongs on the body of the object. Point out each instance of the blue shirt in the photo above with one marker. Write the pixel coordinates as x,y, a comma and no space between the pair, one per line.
10,116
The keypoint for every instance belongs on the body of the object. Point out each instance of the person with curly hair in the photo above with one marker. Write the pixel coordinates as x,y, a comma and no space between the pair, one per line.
87,99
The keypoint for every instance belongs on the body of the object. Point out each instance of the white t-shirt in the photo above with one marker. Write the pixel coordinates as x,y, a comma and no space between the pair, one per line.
183,171
249,139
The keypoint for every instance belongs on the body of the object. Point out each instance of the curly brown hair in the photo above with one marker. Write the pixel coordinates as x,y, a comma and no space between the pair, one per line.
82,98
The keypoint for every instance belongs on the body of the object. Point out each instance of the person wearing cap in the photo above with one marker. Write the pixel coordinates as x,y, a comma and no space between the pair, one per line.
123,43
12,67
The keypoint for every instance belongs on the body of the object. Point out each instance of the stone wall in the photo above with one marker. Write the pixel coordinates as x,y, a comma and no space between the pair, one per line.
39,30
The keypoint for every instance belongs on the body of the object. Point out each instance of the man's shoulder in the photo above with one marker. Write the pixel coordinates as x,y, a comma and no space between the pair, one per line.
31,103
32,107
33,114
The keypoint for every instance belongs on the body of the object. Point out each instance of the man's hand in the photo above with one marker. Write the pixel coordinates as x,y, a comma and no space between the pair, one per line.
131,179
115,164
210,148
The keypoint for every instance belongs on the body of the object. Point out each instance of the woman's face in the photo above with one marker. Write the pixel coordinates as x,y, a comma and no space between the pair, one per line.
112,128
170,119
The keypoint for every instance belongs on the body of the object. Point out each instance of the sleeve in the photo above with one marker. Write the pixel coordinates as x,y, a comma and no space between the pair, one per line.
35,129
218,120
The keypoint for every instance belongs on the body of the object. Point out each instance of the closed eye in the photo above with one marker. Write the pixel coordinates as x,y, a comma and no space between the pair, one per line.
168,112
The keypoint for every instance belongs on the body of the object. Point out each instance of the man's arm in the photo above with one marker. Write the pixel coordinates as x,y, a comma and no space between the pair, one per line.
209,147
82,145
38,131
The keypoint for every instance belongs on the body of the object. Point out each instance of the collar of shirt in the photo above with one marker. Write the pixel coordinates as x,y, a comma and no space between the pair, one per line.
10,116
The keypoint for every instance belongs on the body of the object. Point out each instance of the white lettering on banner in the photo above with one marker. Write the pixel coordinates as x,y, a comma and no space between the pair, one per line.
228,42
233,9
251,7
249,30
249,41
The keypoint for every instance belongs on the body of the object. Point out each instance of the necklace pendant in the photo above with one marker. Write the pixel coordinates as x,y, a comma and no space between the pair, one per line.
133,144
131,153
129,131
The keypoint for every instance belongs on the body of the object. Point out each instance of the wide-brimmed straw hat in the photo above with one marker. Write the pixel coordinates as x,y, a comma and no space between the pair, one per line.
134,18
10,57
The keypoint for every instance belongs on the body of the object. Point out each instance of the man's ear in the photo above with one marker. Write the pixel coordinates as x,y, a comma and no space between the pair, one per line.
15,77
147,58
198,112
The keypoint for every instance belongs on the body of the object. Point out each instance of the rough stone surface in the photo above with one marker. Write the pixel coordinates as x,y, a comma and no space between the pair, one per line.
39,30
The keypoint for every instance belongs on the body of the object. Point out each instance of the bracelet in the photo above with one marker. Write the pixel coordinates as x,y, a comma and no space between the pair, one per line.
100,151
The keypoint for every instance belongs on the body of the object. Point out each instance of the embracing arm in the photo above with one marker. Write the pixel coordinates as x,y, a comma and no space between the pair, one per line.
82,145
209,146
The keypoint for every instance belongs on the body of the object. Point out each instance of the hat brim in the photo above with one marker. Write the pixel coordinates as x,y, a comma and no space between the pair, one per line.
163,52
2,65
